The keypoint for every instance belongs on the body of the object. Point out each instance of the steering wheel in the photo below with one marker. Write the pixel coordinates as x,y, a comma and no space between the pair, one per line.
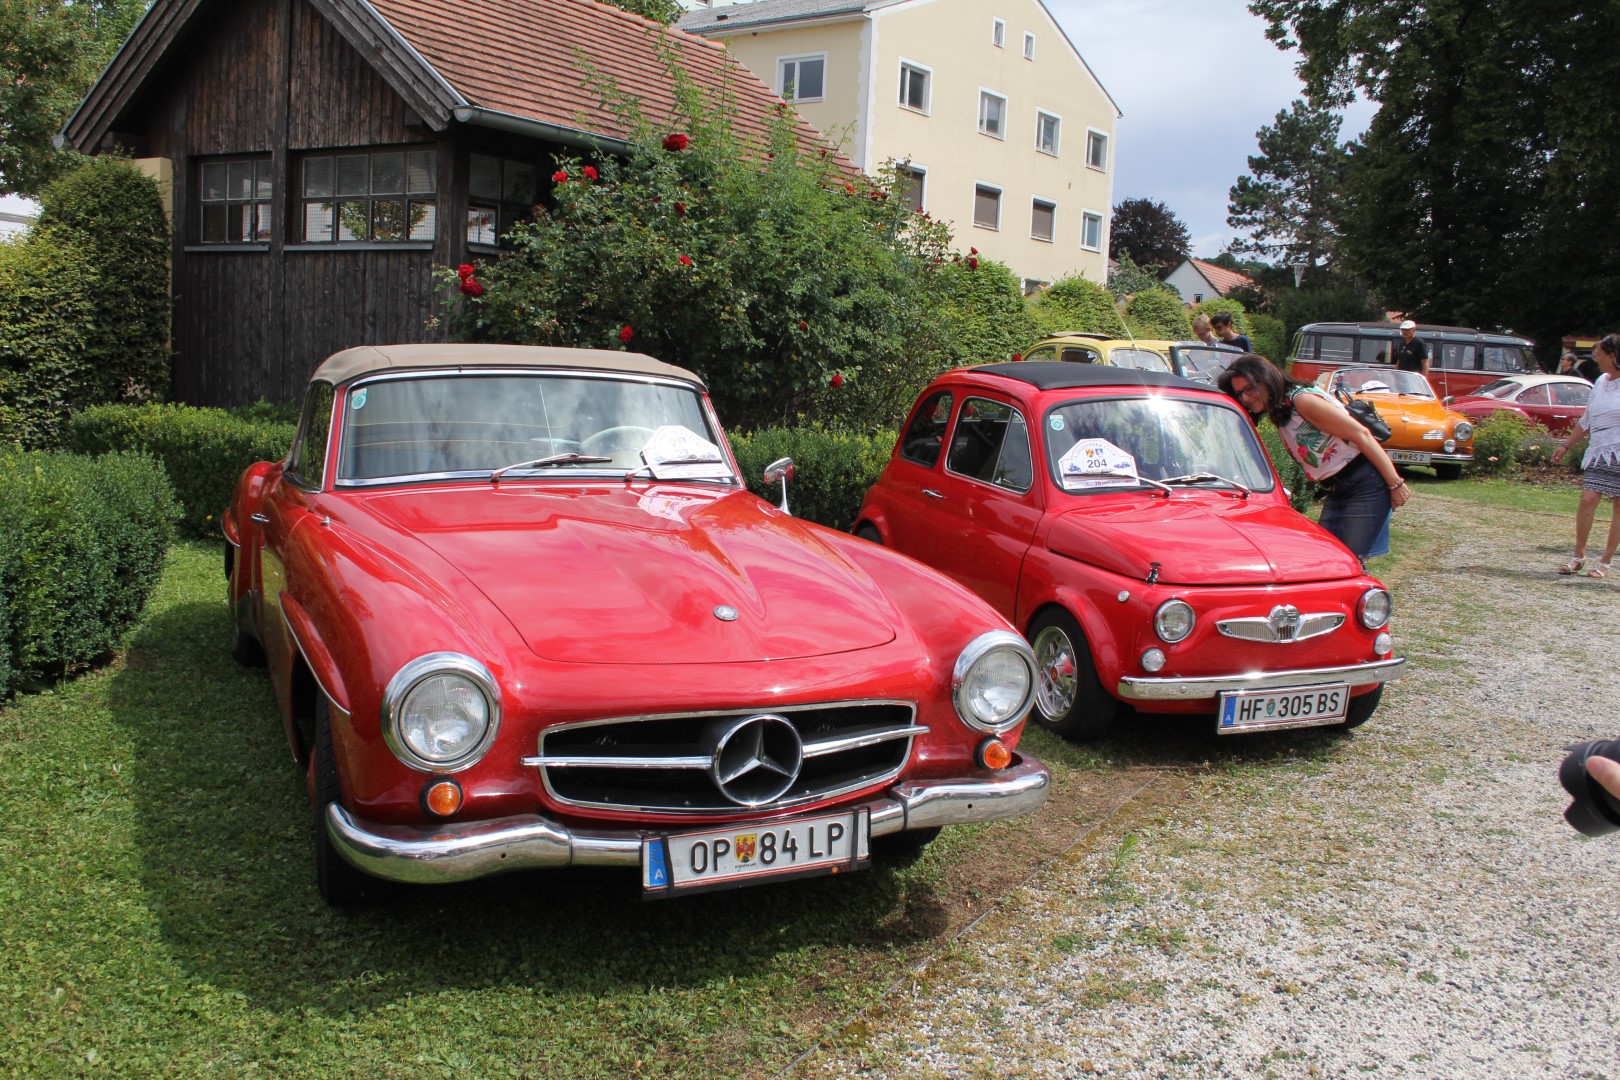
624,437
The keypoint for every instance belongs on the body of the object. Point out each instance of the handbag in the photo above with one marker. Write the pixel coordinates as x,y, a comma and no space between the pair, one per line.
1366,414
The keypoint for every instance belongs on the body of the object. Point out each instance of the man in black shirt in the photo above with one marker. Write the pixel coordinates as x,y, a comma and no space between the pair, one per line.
1221,324
1411,354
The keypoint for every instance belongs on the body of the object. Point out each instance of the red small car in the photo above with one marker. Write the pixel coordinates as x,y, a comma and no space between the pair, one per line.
1130,524
520,611
1553,401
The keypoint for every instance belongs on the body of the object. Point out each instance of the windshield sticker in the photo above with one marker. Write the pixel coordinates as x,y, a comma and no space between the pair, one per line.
1096,463
1056,423
357,400
678,453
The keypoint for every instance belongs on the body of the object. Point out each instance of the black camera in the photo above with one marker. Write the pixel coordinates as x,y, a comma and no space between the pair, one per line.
1594,812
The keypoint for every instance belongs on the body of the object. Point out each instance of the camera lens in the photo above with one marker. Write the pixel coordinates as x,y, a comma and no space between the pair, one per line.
1593,811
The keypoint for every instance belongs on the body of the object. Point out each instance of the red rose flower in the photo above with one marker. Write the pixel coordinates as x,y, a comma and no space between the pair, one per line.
803,325
675,142
850,188
680,209
559,177
626,333
470,287
465,271
1018,356
685,260
972,263
836,381
973,251
590,172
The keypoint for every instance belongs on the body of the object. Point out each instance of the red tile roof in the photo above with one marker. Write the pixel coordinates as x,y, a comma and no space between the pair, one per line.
1223,279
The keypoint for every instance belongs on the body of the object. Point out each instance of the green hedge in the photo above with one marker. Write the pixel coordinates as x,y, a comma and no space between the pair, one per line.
1158,313
82,544
203,450
1075,303
832,472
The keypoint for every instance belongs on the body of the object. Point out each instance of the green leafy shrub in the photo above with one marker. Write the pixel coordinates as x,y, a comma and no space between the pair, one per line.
45,327
1158,313
1073,303
1266,337
1301,491
1128,279
832,471
983,310
1497,440
203,450
85,542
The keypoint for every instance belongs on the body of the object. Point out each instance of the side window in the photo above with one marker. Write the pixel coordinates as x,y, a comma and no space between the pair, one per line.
926,434
1498,358
1536,395
308,468
1076,354
1045,352
237,199
1454,354
1337,349
385,196
500,193
1373,350
1015,469
986,445
1570,394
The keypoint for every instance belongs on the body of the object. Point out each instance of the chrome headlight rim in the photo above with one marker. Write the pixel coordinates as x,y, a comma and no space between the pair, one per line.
1367,608
1171,607
412,675
995,641
1463,431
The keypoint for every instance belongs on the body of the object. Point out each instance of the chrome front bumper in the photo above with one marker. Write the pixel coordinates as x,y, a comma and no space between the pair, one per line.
1208,687
460,851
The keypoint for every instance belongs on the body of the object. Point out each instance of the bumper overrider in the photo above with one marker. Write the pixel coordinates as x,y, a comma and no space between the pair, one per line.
461,851
1203,688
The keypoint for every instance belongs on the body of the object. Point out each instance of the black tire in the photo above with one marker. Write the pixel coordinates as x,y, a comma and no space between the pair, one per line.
1361,709
867,531
1448,472
1069,698
340,884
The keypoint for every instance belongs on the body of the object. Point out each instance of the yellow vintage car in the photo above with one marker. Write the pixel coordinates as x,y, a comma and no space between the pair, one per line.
1190,359
1422,430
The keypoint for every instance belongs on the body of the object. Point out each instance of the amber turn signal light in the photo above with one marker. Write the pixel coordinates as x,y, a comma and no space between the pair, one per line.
993,754
442,797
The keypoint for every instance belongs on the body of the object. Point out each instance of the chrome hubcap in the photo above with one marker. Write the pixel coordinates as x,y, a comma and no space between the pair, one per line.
1054,657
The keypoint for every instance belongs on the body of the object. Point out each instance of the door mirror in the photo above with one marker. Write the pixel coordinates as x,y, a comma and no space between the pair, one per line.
780,469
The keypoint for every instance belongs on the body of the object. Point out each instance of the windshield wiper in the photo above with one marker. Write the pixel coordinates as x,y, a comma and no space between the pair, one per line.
1207,477
569,458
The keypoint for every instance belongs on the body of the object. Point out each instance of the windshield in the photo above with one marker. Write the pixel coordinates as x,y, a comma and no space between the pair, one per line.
1501,388
1382,381
1206,362
1089,444
548,423
1142,359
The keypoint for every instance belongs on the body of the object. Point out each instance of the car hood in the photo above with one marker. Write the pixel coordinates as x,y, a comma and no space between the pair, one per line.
622,573
1409,416
1200,539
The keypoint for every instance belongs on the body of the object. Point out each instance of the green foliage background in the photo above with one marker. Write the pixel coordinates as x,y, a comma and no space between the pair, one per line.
1158,313
832,471
1075,303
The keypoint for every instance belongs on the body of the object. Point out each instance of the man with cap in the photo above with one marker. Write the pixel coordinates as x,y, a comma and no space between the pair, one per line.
1411,354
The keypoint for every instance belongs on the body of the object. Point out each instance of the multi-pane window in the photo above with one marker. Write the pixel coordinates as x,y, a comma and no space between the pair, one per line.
986,206
998,32
1041,218
1029,45
914,87
801,77
1047,127
1091,231
499,193
910,183
384,196
237,199
992,114
1097,150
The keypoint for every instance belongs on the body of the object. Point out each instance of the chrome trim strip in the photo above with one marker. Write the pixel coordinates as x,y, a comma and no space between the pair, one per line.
1133,688
1260,628
461,851
608,761
870,737
314,674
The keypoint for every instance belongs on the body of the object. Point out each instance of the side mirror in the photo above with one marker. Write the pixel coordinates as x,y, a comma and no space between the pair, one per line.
780,469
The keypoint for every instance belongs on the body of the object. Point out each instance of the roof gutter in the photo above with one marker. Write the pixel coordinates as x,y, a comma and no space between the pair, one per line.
537,129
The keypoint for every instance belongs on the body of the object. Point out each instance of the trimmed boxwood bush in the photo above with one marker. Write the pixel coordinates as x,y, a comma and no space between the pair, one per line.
832,471
1266,337
84,542
203,450
1158,313
1077,304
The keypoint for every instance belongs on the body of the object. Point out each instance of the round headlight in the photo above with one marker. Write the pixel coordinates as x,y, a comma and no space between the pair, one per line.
1173,621
993,684
440,712
1375,608
1463,431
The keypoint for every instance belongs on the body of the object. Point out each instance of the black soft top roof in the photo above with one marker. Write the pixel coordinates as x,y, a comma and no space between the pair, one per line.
1064,375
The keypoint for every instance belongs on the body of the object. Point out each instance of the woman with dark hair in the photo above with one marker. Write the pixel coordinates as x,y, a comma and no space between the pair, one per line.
1331,445
1601,478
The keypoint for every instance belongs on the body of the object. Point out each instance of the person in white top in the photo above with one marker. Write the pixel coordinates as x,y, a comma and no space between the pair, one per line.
1601,477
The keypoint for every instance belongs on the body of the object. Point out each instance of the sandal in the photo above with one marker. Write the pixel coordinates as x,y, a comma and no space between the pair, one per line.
1573,566
1601,570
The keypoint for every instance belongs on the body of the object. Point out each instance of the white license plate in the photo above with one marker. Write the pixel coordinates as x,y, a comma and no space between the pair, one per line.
745,854
1252,710
1409,457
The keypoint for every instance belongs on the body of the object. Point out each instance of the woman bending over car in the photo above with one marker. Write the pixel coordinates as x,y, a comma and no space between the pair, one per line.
1332,446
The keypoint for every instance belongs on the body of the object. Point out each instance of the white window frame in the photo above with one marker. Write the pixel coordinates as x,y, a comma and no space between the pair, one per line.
1041,200
998,32
1041,116
928,87
1000,200
1001,116
922,181
799,58
1029,44
1093,138
1087,216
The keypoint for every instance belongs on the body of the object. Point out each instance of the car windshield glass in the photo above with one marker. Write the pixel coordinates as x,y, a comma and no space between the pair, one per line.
1142,359
535,423
1156,438
1205,361
1501,388
1383,381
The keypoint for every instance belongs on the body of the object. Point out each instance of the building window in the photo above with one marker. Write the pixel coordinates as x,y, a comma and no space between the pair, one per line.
500,192
388,196
910,179
1047,127
1029,45
1041,217
237,199
1097,150
986,206
914,82
1091,231
800,78
998,32
1034,285
992,114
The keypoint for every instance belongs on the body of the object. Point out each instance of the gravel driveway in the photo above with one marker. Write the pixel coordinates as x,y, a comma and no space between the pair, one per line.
1406,901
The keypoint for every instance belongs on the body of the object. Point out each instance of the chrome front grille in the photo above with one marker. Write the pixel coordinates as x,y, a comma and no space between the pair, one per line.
702,763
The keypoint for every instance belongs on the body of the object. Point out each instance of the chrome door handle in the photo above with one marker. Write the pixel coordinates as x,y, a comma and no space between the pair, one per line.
260,518
932,494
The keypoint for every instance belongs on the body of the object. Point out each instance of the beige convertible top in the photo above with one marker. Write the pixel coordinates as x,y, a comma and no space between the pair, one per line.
351,364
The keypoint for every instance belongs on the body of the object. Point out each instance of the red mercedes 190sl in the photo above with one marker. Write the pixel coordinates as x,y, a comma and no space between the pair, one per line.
1131,525
519,610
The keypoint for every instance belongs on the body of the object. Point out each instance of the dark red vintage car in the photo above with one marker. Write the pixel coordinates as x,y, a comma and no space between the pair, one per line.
1553,401
1131,526
520,611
